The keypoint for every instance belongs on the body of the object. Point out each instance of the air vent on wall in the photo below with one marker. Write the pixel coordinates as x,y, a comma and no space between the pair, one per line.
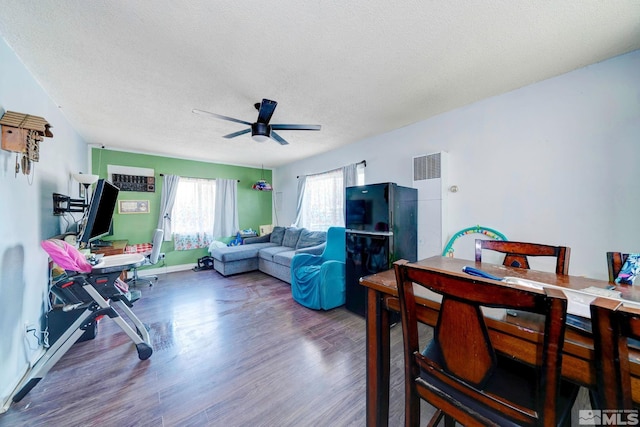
430,179
427,167
128,178
134,182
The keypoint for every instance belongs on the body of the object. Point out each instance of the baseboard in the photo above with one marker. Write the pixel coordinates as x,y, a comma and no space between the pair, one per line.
13,388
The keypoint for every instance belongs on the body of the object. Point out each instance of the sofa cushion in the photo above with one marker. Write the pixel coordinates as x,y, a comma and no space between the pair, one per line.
268,253
313,250
259,239
291,236
311,238
284,258
235,253
277,235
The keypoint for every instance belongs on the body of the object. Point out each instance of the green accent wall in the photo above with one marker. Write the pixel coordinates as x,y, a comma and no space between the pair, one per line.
254,207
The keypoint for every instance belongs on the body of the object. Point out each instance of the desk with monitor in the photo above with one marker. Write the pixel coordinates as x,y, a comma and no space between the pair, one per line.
117,247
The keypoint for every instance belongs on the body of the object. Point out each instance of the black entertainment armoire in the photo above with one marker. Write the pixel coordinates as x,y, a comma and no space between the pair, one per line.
381,227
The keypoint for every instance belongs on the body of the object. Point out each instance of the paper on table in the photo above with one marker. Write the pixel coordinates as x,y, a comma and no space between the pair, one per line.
610,293
524,282
578,301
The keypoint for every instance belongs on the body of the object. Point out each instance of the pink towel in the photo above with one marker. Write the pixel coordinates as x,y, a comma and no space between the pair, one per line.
66,256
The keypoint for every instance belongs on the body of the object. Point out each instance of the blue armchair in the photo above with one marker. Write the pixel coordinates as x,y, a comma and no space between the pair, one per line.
318,281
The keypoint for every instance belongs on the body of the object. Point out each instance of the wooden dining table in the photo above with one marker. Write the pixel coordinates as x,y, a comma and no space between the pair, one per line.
516,334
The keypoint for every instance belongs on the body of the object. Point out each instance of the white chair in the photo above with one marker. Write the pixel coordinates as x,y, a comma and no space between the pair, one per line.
150,259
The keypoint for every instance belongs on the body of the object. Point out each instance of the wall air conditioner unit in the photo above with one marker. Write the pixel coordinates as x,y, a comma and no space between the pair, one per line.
430,179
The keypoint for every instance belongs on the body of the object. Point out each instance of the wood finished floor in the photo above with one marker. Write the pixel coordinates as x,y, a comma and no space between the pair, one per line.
233,351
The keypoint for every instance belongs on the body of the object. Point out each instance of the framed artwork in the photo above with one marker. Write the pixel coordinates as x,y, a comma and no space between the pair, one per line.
133,206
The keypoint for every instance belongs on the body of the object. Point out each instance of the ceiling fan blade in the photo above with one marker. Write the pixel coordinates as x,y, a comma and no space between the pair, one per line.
295,127
266,111
218,116
234,134
278,138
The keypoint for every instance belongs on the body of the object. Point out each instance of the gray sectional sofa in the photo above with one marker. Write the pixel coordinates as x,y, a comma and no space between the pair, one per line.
271,253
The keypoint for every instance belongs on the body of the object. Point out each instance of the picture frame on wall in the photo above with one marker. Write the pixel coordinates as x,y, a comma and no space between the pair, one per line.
133,207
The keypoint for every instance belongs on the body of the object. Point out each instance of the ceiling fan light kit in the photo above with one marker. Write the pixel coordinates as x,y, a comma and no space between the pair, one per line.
261,130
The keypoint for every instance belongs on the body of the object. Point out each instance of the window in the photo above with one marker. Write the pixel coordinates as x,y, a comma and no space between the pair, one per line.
323,199
193,213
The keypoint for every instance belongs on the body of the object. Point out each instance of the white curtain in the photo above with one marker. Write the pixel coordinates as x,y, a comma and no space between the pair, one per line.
226,208
193,213
350,178
350,175
299,205
168,198
323,201
321,197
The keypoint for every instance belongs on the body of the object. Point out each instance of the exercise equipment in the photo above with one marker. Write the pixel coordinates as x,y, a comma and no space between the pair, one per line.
204,263
89,295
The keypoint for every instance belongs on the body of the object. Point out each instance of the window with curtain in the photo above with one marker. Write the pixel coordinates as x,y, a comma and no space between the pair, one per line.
192,216
323,199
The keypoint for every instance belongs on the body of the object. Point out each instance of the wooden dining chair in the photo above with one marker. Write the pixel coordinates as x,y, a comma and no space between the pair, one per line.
516,253
615,261
613,325
460,372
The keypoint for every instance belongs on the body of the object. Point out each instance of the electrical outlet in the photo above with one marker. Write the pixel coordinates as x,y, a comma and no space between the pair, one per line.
32,336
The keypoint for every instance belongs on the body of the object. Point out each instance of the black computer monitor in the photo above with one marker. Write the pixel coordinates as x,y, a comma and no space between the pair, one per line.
97,220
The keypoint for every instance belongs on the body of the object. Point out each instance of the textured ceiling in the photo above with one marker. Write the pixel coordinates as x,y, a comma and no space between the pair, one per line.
128,73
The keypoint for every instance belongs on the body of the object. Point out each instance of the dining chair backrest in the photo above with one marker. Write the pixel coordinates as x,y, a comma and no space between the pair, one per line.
613,325
517,253
615,261
461,359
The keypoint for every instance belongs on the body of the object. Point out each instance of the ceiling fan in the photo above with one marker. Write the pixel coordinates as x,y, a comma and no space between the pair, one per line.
261,130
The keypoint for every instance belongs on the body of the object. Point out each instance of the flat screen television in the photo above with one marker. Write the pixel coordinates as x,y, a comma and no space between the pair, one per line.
97,220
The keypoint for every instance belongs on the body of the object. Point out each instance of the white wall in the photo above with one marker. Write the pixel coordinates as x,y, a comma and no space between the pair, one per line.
555,162
26,217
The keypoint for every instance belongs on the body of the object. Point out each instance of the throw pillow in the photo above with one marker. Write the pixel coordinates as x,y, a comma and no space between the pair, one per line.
311,238
277,235
291,236
237,241
630,270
